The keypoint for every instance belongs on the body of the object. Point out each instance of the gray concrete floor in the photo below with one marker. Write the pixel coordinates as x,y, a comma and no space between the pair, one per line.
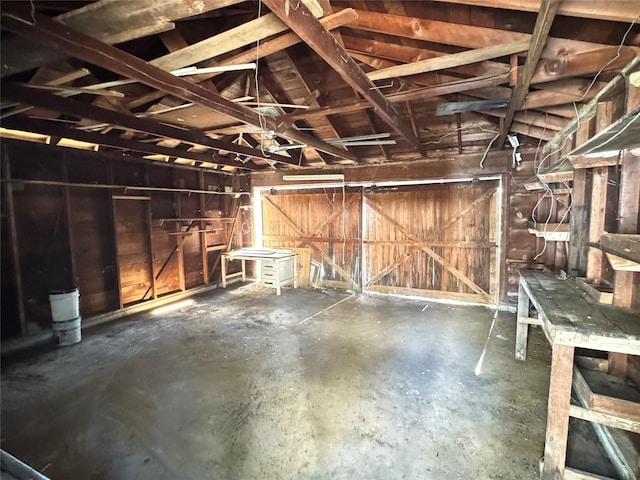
241,384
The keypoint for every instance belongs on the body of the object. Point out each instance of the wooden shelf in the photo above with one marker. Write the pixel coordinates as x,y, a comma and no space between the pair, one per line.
614,405
216,248
559,175
622,250
552,232
621,134
598,290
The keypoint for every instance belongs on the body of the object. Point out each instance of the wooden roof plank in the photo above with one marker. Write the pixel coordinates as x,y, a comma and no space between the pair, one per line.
547,13
614,10
466,36
51,128
94,51
323,43
450,61
108,21
73,107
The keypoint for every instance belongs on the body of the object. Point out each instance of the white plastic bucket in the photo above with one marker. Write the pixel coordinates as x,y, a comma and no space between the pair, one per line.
67,333
65,305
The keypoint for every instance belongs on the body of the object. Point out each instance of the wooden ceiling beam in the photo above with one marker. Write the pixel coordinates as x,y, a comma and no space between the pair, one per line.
108,21
614,10
450,61
269,47
79,45
460,35
62,131
319,123
324,44
448,88
547,13
41,99
548,70
605,59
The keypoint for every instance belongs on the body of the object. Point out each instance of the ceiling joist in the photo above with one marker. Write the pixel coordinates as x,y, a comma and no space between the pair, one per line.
324,44
82,46
541,30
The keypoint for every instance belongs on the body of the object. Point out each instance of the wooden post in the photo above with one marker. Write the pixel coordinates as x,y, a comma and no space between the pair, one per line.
67,204
151,252
179,239
555,448
579,228
625,284
13,236
203,234
114,237
597,219
503,235
522,328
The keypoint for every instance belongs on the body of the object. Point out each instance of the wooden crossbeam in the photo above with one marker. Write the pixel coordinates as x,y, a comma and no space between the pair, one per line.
73,107
547,13
614,10
449,33
58,130
82,46
324,44
450,61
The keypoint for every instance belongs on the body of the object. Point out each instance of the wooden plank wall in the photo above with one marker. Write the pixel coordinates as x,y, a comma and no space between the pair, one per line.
117,252
519,246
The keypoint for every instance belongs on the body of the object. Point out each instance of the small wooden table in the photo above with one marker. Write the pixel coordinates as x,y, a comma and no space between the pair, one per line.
570,318
277,268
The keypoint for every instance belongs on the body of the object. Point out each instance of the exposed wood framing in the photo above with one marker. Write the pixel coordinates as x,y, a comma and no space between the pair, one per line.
89,49
615,10
82,110
322,42
110,22
13,237
544,20
269,47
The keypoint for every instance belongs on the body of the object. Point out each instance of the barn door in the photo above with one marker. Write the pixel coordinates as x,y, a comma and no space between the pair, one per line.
437,241
323,227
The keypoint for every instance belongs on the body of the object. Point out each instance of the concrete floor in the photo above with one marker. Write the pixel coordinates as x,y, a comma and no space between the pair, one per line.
241,384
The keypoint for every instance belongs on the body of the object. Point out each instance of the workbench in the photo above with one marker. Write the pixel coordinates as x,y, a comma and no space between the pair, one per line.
275,268
570,318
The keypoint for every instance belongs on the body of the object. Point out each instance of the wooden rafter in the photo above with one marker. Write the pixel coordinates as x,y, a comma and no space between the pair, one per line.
450,61
267,48
460,35
91,50
614,10
324,44
66,105
547,13
57,130
110,22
